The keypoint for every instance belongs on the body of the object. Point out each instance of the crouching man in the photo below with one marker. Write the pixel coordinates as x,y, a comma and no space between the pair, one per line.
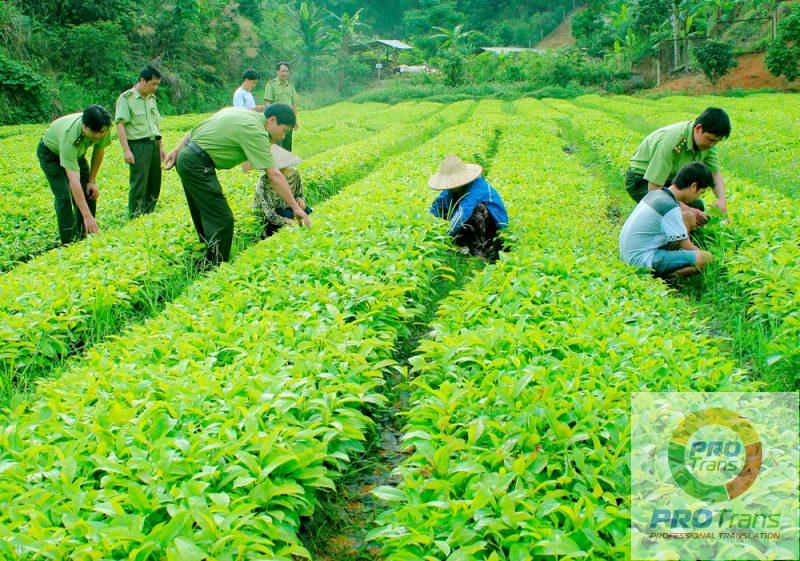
656,234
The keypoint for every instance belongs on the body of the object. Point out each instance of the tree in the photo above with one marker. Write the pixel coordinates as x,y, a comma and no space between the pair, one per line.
714,10
453,39
96,52
715,59
591,33
349,29
314,35
783,55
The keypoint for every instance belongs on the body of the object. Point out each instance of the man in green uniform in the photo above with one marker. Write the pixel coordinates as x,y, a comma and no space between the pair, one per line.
62,157
137,119
281,90
664,152
223,141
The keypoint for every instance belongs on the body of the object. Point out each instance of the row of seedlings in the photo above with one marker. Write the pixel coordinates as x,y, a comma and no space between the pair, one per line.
207,432
757,248
55,305
519,425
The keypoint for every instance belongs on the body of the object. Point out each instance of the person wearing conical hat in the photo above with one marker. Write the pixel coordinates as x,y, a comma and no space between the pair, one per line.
474,208
268,204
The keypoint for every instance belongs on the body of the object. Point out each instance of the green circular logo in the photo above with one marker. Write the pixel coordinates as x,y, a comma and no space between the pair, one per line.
718,454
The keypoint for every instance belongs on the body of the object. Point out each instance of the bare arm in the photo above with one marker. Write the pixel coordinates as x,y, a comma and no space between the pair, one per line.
75,188
283,190
169,161
127,155
688,245
719,191
97,160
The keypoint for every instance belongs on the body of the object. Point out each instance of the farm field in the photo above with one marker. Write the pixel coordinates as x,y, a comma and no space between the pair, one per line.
151,411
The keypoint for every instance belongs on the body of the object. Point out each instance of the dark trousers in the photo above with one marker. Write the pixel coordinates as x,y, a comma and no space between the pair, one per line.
269,229
636,186
479,234
211,213
287,141
145,176
68,215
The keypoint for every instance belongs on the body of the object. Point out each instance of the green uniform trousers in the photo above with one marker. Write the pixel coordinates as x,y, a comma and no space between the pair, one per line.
68,215
286,143
211,213
145,176
637,187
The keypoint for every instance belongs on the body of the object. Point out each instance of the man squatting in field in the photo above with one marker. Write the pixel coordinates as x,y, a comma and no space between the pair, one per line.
664,152
656,234
62,157
225,140
268,204
473,207
137,119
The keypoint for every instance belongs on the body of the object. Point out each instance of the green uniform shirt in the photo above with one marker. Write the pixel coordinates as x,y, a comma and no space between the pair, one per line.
664,152
65,137
234,135
276,92
140,114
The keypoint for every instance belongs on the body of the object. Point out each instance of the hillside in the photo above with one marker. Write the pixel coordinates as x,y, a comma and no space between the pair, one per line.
561,36
749,75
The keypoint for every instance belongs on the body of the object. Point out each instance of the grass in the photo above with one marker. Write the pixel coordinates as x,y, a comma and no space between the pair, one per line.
756,168
338,528
620,205
401,90
719,299
107,320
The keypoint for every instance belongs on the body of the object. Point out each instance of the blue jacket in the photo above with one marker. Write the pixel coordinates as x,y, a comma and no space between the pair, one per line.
458,211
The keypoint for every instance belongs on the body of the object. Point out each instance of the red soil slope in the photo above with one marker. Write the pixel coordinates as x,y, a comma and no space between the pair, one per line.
751,74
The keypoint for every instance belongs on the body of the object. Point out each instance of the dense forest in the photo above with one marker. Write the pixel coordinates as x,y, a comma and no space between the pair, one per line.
60,55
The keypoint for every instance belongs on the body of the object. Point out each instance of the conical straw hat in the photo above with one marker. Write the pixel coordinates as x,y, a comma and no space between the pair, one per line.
454,173
283,158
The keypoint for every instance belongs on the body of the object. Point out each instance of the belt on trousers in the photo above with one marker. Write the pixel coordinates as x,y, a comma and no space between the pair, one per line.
146,138
197,150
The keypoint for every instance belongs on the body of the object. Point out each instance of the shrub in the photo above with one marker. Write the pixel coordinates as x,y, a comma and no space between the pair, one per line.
783,55
715,59
21,92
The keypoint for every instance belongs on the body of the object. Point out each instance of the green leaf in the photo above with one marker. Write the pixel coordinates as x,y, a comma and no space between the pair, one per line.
183,549
389,493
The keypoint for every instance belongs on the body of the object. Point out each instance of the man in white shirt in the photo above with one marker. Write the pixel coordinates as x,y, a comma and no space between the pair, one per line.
243,96
656,234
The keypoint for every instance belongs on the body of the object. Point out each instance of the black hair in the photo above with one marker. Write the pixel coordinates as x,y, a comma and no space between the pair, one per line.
249,74
286,64
694,172
148,73
715,121
96,117
283,113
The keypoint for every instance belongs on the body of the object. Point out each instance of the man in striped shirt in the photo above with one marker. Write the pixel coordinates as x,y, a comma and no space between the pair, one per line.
656,234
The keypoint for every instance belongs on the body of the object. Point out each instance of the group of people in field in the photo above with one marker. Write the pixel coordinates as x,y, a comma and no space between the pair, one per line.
257,135
669,172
